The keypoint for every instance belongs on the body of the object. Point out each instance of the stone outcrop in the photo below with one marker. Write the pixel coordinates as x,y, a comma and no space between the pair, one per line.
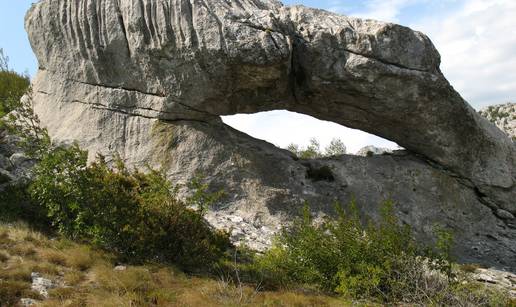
503,116
15,166
149,79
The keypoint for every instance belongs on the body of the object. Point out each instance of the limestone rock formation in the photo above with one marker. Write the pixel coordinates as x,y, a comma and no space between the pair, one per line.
149,79
503,116
15,166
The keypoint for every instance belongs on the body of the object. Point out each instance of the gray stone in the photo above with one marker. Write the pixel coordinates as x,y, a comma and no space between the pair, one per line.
41,285
20,159
503,280
14,165
28,302
5,163
120,268
149,79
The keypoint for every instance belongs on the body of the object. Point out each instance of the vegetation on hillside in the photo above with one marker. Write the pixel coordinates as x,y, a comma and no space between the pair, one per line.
86,276
12,85
379,261
503,116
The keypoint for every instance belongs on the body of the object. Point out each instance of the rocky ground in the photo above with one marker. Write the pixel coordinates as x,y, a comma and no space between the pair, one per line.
36,270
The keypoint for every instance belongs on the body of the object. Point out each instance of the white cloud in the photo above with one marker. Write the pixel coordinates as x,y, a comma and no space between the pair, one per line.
478,47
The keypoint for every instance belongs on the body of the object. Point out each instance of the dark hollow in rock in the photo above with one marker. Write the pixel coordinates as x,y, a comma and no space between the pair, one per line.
322,173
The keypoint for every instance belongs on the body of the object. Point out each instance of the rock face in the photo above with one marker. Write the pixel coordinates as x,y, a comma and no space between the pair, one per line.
149,79
503,116
15,166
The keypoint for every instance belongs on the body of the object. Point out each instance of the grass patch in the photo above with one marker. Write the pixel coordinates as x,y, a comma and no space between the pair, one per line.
81,258
4,256
470,267
12,291
53,256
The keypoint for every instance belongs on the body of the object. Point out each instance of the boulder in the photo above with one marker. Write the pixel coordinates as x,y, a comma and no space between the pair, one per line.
149,79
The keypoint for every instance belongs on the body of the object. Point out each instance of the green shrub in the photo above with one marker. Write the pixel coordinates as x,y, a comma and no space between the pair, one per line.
12,86
24,123
313,150
135,214
379,260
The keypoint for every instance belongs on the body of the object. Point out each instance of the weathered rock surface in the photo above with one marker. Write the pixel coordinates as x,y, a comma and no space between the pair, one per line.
15,166
503,116
496,278
41,285
149,79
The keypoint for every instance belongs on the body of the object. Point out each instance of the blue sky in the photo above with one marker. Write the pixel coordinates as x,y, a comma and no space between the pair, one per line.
475,39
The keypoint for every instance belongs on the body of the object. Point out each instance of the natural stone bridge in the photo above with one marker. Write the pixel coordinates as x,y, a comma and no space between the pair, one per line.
150,78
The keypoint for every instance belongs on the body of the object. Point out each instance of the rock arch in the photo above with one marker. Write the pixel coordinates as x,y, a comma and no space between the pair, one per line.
150,78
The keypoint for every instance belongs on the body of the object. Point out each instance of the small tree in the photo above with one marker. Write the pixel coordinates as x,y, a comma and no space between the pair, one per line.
24,123
335,148
312,151
293,148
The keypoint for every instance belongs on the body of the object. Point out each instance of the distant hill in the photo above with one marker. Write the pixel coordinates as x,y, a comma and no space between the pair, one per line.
503,116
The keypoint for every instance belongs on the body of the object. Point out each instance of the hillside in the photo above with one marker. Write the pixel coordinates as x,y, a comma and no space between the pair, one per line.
49,271
503,116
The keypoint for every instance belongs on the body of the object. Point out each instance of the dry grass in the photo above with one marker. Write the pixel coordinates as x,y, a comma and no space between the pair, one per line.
24,250
73,278
92,280
88,278
470,268
16,271
4,256
81,258
53,256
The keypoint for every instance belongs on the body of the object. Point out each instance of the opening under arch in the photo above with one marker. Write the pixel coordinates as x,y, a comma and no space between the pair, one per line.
283,128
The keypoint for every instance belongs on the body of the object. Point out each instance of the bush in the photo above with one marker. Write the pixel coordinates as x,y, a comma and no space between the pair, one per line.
377,261
12,86
135,214
24,123
313,150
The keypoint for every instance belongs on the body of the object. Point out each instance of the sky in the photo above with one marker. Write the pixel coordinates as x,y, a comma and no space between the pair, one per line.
475,38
